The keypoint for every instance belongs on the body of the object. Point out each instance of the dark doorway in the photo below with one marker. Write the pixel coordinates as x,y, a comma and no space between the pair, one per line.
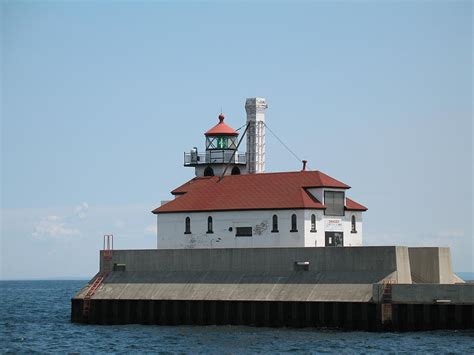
235,171
208,171
334,239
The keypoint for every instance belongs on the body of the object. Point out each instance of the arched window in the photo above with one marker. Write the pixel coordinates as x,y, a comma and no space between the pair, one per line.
313,223
209,225
187,226
235,171
293,223
274,223
208,171
353,224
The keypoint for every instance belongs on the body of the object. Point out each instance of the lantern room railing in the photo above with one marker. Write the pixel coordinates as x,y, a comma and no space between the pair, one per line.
214,157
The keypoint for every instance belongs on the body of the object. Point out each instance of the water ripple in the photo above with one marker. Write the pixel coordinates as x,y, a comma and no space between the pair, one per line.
34,317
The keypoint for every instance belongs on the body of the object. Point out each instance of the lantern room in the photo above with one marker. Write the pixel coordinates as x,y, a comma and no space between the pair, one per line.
221,136
220,156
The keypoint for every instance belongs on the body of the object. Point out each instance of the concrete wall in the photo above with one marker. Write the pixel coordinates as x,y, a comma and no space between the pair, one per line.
389,261
403,273
454,294
244,287
171,228
431,265
345,260
334,274
344,274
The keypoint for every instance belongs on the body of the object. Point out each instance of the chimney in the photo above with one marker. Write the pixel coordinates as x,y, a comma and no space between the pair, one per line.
304,164
255,108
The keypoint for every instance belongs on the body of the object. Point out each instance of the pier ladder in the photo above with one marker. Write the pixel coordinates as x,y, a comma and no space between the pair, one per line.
387,300
106,268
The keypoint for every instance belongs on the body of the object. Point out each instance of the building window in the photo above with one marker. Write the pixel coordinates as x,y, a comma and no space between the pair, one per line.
293,223
353,224
334,202
235,171
210,143
243,231
313,223
209,225
222,142
208,171
187,226
275,224
232,142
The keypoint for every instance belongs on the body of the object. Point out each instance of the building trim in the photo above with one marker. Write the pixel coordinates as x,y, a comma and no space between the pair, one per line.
355,209
244,209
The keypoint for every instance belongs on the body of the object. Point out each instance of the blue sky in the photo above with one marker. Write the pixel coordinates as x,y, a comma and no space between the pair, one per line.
100,100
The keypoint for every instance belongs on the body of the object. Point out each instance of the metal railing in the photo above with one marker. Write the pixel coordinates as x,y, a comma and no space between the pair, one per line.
214,157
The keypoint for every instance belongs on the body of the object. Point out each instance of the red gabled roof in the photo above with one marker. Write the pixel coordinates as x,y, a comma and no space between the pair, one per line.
221,129
250,192
351,205
197,181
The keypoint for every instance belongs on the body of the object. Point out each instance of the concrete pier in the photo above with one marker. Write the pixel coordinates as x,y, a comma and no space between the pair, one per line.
365,288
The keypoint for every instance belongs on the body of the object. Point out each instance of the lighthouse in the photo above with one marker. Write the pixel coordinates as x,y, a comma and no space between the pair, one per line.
269,249
252,208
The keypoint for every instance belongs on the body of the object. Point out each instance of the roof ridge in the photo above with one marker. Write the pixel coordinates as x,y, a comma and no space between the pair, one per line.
278,172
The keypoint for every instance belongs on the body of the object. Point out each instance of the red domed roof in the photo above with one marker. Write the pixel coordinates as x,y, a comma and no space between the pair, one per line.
221,129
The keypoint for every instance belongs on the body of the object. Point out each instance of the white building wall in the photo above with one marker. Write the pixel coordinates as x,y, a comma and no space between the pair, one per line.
219,169
314,239
171,227
352,239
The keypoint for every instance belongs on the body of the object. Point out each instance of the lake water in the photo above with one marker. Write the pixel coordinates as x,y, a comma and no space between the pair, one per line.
35,316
